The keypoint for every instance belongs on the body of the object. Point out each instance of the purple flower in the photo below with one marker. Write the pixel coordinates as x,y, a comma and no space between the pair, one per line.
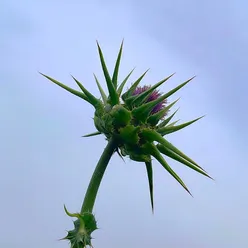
153,96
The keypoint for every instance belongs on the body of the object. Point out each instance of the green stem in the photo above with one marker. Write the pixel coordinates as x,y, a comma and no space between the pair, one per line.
97,176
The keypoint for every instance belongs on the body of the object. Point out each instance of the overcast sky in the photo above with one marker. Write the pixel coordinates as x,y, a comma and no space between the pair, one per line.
44,161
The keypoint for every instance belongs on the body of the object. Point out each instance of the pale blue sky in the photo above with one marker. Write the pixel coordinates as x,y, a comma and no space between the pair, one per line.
44,161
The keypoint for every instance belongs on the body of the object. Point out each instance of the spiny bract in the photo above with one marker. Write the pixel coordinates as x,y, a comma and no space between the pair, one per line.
136,119
85,224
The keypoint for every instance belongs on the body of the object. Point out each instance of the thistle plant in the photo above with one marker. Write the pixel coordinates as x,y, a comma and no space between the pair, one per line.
136,124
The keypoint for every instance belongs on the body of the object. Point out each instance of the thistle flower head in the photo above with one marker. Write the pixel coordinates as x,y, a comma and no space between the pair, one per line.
136,120
153,96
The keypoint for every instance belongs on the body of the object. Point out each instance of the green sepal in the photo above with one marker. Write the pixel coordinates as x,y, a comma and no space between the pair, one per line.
178,158
152,135
129,92
155,118
170,129
129,135
149,172
121,116
140,157
123,151
156,154
113,96
117,64
167,120
141,98
107,119
74,92
119,90
104,97
92,134
93,100
134,151
107,108
100,124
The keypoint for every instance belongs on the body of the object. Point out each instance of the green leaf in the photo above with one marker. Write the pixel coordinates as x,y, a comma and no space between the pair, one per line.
92,134
93,100
75,92
114,98
170,129
176,157
119,91
150,181
117,64
133,87
167,120
104,97
155,118
76,215
156,154
152,135
141,98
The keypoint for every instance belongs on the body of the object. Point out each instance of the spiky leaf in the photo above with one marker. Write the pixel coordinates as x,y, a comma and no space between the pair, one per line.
149,171
167,120
172,124
133,87
114,98
91,134
93,100
156,154
117,64
171,129
141,98
119,91
178,158
104,97
75,92
143,112
155,118
152,135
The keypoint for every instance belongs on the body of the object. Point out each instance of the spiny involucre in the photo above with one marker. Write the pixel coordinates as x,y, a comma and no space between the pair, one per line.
137,120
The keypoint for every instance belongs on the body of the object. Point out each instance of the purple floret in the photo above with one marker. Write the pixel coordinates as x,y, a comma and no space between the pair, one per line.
153,96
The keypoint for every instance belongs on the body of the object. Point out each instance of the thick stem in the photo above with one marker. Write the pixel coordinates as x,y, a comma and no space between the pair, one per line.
97,176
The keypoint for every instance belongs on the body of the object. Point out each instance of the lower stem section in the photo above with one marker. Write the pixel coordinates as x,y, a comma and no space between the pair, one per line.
97,176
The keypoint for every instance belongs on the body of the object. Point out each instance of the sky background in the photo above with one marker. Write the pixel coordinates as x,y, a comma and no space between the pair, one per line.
44,161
